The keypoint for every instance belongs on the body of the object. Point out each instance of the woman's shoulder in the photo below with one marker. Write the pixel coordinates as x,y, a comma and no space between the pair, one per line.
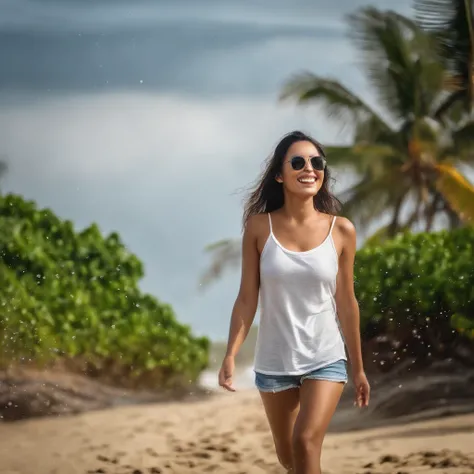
257,223
345,227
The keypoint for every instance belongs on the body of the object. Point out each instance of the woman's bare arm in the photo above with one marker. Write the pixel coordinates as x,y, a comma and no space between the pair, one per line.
245,305
346,302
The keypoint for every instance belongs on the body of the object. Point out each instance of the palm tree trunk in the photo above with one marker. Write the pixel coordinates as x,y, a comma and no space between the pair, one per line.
395,223
431,212
454,220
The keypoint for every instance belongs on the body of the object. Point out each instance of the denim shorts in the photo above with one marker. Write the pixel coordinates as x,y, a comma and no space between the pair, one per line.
335,372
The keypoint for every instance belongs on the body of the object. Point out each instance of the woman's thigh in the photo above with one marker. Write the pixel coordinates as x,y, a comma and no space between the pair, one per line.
318,403
281,409
281,404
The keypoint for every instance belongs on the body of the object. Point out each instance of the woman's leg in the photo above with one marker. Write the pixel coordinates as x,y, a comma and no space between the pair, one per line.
281,409
318,402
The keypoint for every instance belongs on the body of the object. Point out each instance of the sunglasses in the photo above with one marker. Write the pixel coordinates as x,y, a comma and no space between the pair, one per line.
317,162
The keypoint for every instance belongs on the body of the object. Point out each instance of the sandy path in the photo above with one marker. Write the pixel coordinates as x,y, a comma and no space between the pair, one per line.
225,434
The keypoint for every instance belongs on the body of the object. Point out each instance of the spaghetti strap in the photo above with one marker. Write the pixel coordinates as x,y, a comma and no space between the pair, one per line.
332,224
270,222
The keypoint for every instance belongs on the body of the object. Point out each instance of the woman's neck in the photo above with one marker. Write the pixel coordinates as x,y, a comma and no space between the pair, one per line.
298,209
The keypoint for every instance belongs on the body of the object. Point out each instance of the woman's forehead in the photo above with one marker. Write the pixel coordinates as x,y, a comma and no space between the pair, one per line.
304,148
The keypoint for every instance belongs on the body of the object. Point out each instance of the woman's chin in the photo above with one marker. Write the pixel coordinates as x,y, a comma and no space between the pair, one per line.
305,193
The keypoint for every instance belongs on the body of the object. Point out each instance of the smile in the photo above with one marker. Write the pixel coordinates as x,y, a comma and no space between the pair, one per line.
307,180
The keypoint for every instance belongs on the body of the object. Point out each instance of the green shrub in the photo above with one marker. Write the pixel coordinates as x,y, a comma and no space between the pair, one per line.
419,286
75,296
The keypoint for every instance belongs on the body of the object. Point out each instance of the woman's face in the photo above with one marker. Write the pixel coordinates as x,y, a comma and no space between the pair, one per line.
297,172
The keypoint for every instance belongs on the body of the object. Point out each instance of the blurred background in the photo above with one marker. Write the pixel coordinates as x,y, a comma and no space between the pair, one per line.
129,133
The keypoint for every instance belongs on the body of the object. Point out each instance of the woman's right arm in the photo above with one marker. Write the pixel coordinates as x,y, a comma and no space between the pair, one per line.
245,306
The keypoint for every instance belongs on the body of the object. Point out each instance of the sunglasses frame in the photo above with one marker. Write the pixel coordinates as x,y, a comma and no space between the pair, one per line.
318,157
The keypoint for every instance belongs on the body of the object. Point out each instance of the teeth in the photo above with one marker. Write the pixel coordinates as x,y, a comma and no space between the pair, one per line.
306,180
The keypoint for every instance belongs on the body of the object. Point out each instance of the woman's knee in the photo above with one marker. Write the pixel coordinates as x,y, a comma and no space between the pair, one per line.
308,440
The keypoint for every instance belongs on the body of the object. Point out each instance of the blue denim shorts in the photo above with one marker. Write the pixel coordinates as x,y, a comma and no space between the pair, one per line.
335,372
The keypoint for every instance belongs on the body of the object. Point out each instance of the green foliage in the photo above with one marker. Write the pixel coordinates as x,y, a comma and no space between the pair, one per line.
420,285
75,296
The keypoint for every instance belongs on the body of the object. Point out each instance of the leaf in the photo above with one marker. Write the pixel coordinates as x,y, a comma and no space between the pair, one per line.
452,22
225,254
463,141
370,198
398,59
338,102
457,190
361,157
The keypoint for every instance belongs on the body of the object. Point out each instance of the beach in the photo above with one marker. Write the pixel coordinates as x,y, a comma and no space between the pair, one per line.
221,433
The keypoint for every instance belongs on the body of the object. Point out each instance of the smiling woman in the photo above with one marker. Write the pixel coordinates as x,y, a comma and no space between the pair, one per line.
298,259
268,195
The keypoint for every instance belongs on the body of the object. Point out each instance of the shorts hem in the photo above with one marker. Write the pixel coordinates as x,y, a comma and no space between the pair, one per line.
326,379
276,389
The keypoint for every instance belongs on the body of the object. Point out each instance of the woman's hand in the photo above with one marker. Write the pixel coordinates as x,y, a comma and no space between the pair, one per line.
226,373
362,389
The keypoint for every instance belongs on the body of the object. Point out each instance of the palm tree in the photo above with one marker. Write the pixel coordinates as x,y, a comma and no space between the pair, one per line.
452,22
397,152
405,157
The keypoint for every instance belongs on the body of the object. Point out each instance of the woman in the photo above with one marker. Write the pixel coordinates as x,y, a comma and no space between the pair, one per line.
299,258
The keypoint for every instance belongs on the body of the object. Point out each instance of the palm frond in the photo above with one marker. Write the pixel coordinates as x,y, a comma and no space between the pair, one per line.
452,22
463,141
398,60
447,103
362,157
370,131
338,102
457,191
371,197
342,157
460,148
225,254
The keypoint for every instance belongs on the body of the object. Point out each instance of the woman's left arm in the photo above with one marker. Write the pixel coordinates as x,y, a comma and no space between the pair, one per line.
348,307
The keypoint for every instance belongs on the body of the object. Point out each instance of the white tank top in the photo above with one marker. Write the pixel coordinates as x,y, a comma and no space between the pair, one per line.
299,329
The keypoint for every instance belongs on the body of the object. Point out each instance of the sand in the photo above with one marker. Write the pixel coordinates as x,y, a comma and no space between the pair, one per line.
226,433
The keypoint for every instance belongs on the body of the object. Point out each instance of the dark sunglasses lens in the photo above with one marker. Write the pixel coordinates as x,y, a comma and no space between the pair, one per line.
297,163
318,162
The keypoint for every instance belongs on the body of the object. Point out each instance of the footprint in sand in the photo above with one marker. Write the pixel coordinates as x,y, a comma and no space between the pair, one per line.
151,452
216,447
186,463
443,459
106,459
211,468
201,455
232,457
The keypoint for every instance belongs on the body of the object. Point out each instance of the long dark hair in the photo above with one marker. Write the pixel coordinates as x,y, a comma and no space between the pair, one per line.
267,194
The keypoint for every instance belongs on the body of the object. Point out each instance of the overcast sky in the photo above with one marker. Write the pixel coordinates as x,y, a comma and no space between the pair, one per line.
148,117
